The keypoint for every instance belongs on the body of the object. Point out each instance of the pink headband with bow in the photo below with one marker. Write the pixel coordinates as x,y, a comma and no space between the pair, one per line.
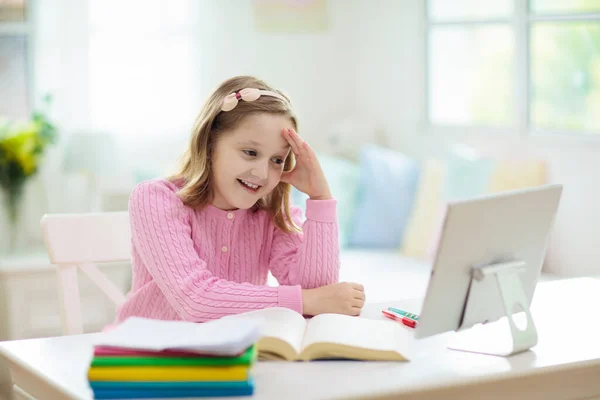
248,94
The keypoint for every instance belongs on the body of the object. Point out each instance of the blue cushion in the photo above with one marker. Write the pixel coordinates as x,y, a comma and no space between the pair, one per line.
467,174
343,177
387,191
141,175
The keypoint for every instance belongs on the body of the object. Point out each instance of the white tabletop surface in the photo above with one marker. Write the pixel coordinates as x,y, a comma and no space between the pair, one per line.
564,312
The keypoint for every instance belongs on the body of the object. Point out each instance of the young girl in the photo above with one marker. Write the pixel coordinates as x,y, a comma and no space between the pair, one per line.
204,240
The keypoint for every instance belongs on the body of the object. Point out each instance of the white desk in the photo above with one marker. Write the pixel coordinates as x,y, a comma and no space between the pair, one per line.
565,363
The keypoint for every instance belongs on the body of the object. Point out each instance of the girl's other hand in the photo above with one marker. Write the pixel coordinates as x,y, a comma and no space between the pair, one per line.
339,298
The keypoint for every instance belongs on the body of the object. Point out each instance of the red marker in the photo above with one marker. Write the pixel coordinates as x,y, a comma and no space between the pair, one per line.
406,321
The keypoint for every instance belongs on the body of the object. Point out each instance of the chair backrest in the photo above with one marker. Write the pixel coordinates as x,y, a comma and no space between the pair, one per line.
80,241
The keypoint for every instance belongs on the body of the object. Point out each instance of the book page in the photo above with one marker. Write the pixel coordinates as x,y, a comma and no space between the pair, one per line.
358,332
215,337
281,323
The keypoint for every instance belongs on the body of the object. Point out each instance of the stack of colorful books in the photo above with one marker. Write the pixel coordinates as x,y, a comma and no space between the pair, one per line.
121,373
159,367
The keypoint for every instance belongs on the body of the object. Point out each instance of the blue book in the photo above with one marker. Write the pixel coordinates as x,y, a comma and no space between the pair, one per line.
171,393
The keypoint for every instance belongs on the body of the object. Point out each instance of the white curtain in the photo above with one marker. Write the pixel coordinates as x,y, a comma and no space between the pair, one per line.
142,69
126,68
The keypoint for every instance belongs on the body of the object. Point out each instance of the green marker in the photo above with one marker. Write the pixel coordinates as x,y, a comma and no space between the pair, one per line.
412,316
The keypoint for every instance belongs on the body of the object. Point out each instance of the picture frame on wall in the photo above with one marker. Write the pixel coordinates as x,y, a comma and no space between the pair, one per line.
291,16
13,11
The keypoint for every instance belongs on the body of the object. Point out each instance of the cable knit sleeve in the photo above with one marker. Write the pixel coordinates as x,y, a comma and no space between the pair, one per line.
309,258
161,233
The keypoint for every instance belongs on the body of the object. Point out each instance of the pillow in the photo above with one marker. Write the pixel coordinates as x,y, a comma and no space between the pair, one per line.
467,175
517,174
387,190
141,175
343,179
428,206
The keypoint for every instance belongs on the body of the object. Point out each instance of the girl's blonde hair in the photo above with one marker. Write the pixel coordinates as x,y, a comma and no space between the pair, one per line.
195,171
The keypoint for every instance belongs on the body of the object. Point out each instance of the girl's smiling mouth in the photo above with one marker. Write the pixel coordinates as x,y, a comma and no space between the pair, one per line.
249,186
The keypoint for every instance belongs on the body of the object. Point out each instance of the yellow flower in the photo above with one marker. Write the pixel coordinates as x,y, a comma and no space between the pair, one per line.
20,146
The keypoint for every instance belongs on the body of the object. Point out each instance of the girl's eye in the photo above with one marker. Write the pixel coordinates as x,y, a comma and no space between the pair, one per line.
250,153
278,161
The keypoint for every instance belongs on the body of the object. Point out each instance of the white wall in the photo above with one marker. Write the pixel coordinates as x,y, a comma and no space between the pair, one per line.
313,68
390,62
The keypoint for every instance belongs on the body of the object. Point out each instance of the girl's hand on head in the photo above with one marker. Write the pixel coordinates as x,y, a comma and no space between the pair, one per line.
307,175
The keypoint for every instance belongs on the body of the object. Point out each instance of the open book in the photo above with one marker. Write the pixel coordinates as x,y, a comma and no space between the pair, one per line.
287,335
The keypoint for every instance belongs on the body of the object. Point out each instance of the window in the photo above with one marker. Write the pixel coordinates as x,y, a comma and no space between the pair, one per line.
142,70
530,65
14,60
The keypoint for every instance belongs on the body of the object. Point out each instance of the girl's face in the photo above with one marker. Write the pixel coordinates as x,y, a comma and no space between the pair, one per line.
248,161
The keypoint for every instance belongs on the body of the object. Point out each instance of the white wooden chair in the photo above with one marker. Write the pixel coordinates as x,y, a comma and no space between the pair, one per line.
80,241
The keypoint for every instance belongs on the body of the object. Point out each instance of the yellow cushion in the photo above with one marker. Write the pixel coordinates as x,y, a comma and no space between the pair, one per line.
517,174
426,211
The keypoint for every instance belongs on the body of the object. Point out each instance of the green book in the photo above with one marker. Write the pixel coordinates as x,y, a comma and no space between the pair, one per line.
247,358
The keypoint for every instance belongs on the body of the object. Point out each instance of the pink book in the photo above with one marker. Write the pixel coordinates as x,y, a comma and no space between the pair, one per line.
106,351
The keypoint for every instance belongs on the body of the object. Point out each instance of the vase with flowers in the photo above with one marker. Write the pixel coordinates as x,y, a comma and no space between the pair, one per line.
22,146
